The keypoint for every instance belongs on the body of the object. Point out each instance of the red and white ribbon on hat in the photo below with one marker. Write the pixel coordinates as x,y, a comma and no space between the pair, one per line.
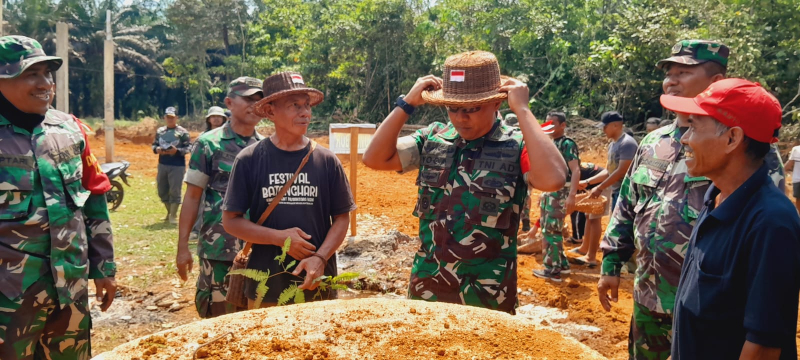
297,79
457,75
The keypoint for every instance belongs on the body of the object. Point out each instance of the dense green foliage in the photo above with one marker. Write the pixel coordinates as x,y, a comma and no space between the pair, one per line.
581,56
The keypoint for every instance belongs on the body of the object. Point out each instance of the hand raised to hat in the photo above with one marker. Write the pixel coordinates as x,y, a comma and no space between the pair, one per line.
518,94
430,82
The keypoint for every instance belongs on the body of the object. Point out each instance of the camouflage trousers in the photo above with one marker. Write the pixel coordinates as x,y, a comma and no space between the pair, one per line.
34,326
490,284
212,287
650,337
526,209
553,210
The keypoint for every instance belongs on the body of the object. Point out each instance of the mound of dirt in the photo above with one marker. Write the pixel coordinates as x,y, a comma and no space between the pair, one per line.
358,329
141,133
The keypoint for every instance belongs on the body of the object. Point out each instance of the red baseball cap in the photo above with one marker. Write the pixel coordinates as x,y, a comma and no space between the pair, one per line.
734,102
547,127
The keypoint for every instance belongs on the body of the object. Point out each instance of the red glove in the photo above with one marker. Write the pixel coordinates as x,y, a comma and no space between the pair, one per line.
94,179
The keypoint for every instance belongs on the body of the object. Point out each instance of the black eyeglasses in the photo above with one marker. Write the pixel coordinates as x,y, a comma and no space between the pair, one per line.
463,110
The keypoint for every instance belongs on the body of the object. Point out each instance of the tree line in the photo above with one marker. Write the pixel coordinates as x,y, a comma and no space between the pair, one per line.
580,56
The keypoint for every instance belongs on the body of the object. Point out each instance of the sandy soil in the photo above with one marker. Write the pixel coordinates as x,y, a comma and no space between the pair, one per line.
359,329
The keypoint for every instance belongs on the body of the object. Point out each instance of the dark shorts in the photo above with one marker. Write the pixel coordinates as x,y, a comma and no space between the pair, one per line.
796,190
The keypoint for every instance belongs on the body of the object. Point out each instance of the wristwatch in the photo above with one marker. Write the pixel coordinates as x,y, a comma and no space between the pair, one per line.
404,105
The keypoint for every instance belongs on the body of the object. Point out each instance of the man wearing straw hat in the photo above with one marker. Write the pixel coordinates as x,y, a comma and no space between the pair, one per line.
658,205
473,180
314,213
554,206
207,178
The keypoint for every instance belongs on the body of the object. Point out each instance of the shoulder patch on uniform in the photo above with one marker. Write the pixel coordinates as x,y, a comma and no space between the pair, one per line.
653,163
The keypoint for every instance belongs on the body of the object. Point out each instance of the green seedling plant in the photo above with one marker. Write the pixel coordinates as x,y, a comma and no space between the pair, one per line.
292,293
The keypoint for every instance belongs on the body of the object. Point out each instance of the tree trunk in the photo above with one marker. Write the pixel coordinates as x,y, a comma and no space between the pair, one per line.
225,39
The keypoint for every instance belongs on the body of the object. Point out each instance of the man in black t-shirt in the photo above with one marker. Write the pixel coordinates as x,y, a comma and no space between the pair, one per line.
315,211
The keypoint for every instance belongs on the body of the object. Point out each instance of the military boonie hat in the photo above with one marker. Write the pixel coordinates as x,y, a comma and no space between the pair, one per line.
694,52
216,110
170,111
18,53
245,86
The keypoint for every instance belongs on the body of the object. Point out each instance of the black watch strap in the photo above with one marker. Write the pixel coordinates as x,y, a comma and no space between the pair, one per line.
404,105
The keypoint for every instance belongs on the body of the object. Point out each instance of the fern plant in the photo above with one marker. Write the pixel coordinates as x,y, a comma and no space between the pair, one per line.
292,293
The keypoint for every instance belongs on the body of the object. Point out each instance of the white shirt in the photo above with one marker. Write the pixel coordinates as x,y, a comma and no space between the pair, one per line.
795,156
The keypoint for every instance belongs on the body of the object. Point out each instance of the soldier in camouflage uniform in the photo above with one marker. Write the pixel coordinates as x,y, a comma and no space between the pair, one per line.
658,205
54,235
209,169
554,206
473,179
171,143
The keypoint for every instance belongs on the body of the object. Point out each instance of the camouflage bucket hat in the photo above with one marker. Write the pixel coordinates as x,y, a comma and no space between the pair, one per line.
695,52
245,86
18,53
216,111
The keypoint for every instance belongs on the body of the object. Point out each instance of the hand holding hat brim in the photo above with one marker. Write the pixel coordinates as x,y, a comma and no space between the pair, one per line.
438,97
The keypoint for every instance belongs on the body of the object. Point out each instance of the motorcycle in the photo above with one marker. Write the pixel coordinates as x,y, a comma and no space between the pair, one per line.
117,193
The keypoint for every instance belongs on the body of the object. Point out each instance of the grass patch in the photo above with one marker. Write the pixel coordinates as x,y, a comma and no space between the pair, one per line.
144,244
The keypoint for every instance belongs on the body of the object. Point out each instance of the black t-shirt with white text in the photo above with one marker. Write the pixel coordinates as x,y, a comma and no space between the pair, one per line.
320,192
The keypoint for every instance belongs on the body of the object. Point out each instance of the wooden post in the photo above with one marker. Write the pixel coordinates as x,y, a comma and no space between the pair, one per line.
108,89
353,175
62,75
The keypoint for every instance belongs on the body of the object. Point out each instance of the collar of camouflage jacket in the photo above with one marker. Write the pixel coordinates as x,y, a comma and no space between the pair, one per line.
495,134
228,133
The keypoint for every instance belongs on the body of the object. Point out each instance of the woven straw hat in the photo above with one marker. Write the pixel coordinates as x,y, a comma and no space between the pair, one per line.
282,85
470,78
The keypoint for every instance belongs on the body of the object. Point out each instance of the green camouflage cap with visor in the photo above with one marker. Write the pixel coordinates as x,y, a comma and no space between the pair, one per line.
695,52
17,53
245,86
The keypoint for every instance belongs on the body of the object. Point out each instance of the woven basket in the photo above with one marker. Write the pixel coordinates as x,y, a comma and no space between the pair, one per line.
235,293
587,205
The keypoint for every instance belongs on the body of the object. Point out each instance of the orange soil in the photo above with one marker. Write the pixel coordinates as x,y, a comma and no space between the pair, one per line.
359,329
394,196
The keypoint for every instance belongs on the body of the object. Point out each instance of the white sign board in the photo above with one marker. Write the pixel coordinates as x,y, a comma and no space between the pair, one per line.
340,140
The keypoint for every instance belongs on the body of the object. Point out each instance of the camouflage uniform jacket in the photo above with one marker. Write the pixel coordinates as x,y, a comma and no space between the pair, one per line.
177,137
470,196
49,224
655,214
209,168
569,150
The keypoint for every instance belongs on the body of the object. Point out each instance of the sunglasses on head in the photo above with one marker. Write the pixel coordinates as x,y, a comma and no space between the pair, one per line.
463,110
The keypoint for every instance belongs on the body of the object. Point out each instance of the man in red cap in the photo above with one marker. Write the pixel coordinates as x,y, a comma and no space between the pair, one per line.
738,291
